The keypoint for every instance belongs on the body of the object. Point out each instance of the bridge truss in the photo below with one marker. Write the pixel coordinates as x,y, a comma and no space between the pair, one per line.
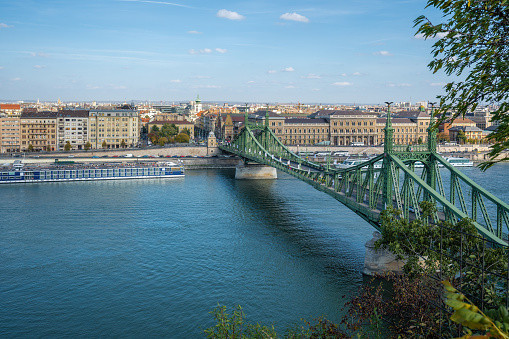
395,178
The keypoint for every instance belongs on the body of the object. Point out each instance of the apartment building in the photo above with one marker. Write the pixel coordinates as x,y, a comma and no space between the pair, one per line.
9,134
114,128
38,131
72,129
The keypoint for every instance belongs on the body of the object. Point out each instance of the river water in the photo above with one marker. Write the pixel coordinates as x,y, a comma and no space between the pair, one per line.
151,258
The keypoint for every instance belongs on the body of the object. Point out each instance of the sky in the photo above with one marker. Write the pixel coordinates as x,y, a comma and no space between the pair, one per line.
278,51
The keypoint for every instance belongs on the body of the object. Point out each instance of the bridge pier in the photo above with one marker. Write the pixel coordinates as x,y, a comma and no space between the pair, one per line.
255,172
380,261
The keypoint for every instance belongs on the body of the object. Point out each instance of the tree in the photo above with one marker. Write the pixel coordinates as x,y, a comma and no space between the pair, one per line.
419,141
87,146
473,39
154,129
186,131
443,136
104,144
182,138
461,137
122,143
30,148
67,146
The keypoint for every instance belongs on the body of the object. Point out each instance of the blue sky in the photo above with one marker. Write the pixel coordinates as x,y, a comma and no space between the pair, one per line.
308,51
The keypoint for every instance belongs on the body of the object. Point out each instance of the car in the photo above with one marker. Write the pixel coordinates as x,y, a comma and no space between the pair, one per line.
168,156
174,156
104,156
95,156
70,156
145,156
115,156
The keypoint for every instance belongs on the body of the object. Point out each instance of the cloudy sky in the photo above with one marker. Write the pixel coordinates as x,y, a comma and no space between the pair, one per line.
311,51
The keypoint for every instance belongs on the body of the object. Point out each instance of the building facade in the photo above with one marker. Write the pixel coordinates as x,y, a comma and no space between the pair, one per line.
38,131
10,134
114,128
72,128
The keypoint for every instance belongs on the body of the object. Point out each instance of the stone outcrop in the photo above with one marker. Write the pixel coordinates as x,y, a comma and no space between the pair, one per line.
380,261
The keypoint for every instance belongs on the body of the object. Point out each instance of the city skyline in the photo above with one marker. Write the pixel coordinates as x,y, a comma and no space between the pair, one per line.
300,51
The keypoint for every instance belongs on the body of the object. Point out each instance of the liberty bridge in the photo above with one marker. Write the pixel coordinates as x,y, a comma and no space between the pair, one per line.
368,189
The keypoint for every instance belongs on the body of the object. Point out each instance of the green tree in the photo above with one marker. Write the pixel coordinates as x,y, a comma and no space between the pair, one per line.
168,130
473,41
461,137
122,143
30,148
87,146
182,138
186,131
104,144
154,129
67,146
419,141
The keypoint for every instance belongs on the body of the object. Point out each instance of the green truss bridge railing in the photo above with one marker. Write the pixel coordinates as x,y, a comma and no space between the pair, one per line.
395,178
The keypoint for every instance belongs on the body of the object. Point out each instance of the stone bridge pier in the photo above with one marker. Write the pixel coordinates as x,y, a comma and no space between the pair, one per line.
255,171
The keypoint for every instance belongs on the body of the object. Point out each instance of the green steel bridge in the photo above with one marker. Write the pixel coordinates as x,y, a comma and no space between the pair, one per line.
390,179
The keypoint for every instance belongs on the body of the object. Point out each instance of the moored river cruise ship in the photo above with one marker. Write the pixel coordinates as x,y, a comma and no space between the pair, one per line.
69,171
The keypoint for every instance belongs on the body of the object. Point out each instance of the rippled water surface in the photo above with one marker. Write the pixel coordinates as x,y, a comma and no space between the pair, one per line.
151,258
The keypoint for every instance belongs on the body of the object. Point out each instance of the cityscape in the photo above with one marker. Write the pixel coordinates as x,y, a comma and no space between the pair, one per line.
49,127
255,169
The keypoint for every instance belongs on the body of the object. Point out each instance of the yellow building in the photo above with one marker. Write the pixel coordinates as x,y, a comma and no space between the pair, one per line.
114,128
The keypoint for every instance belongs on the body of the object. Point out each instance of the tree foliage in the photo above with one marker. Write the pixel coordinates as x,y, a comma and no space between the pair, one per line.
104,144
30,148
449,248
87,146
182,138
472,40
67,146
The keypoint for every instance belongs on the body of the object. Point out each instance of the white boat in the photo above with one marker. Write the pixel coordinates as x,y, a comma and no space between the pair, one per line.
459,162
351,162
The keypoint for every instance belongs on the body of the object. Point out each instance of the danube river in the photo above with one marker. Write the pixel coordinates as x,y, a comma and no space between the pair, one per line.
151,258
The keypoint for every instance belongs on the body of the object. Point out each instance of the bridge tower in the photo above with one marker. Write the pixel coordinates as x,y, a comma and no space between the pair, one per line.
387,164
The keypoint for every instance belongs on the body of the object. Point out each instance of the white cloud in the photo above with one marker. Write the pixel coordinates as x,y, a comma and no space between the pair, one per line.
383,53
356,74
420,36
39,66
312,76
2,25
1,67
194,32
223,13
342,83
176,81
271,71
201,51
399,85
289,69
290,86
16,79
251,82
221,50
344,75
294,17
437,84
201,77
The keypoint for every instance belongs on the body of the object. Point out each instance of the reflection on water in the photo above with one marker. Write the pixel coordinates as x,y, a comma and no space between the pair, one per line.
152,257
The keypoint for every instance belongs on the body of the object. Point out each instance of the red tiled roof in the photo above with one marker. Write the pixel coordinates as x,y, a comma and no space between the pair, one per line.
10,106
